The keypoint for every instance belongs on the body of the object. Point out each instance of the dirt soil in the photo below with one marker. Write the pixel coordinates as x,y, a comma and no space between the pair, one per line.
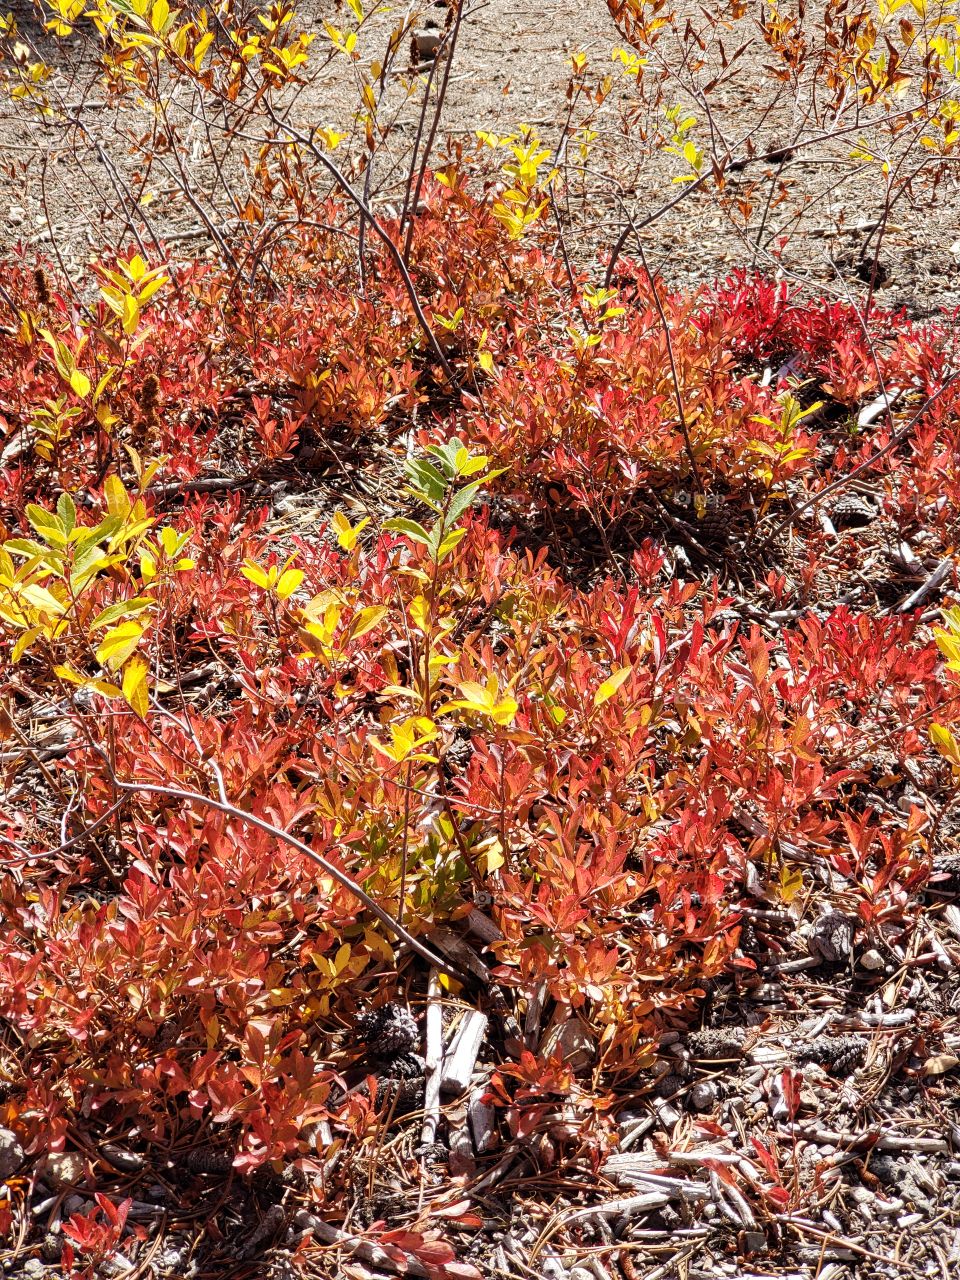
60,187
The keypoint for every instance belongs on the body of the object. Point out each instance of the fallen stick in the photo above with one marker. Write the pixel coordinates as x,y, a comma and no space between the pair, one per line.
936,580
880,1141
363,1249
610,1209
433,1050
461,1057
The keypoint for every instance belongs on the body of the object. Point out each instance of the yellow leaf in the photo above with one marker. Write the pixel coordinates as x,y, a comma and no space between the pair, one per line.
135,688
945,743
118,644
131,314
791,883
253,573
504,711
346,533
42,599
290,579
159,16
492,855
420,613
24,642
611,685
118,503
367,619
80,383
203,44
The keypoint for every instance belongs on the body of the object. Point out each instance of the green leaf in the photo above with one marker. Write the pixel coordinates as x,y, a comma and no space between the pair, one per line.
430,482
46,523
410,528
122,609
27,547
462,500
67,512
450,540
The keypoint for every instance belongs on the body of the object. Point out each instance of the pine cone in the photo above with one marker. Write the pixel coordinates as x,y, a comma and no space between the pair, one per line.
840,1054
209,1160
717,1043
851,511
713,526
389,1031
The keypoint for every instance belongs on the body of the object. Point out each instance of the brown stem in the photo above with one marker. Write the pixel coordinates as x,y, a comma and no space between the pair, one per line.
341,877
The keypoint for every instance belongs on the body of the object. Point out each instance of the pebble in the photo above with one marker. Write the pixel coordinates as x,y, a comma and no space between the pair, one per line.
872,959
65,1168
16,215
703,1095
76,1204
11,1154
33,1267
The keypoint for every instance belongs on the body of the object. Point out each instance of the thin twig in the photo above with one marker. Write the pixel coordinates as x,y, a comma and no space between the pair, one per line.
341,877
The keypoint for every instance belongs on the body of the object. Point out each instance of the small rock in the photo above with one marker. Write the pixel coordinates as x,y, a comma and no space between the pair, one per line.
427,40
717,1044
872,960
573,1040
51,1247
16,215
11,1154
76,1204
754,1242
173,1255
703,1095
33,1267
65,1168
830,937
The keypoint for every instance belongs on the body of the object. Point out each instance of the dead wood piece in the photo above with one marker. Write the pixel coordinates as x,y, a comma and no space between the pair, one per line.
483,1123
934,582
433,1050
878,1141
633,1170
363,1249
461,1057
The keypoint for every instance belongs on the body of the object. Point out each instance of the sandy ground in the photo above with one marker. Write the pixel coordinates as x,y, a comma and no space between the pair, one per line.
60,187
